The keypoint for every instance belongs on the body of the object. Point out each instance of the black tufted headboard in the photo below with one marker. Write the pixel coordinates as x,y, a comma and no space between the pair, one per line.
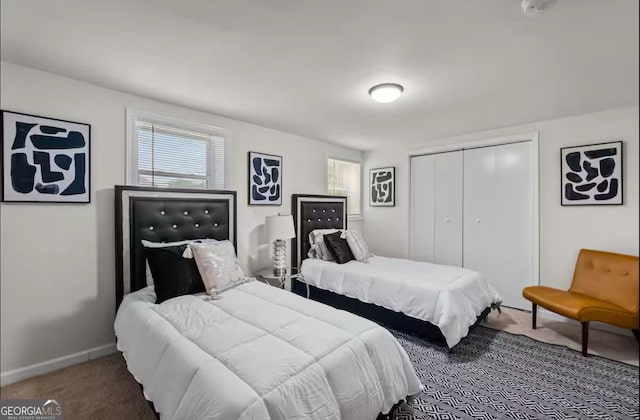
165,215
312,212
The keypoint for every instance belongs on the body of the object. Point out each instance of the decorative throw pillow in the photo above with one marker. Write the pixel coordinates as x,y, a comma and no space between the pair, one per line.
338,247
357,245
318,247
173,275
217,265
149,244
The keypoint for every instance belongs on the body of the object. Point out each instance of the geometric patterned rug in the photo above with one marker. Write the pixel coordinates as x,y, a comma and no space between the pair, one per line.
497,375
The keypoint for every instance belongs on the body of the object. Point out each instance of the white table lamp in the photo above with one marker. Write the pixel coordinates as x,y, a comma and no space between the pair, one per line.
279,229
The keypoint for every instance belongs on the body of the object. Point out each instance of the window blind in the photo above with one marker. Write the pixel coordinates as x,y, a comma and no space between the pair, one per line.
175,157
344,178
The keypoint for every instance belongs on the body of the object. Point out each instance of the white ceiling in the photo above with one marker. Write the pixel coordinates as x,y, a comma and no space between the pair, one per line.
305,66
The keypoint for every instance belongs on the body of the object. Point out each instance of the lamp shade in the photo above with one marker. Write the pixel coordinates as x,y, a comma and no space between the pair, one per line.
279,227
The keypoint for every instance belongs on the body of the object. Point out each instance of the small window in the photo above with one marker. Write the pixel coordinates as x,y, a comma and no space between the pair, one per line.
170,153
344,178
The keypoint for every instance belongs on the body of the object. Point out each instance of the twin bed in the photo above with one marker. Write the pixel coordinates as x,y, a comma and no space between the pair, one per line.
437,302
257,351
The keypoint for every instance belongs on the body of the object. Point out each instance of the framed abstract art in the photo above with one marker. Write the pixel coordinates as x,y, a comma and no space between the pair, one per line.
265,179
382,187
45,159
592,174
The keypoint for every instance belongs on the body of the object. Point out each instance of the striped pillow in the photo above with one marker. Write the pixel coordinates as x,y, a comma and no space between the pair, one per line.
358,246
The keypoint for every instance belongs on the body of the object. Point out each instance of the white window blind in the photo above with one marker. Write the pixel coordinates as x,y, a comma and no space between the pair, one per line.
344,178
168,155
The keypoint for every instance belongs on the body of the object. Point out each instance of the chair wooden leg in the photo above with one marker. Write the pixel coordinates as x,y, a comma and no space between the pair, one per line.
534,315
637,334
585,338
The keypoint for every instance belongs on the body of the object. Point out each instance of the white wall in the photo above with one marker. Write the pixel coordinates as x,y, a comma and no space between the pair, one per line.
57,261
563,230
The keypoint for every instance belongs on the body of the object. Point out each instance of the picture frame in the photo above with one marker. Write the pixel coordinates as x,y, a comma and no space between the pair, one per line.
592,174
265,179
44,159
382,187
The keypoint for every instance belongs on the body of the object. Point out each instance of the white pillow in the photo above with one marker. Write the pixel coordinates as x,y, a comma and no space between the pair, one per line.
318,247
149,244
357,245
217,265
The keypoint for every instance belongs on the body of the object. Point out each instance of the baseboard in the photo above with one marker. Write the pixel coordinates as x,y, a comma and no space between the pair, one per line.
41,368
543,313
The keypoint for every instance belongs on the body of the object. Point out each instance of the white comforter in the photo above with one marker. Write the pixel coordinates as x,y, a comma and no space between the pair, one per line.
260,353
446,296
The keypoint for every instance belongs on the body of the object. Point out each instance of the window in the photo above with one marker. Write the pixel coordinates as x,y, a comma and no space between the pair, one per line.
343,178
169,153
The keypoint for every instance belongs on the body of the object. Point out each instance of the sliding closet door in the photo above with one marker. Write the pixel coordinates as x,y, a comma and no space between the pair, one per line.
514,213
480,253
448,209
421,229
498,203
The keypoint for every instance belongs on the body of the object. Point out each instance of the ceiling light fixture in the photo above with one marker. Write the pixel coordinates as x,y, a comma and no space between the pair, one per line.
386,92
534,7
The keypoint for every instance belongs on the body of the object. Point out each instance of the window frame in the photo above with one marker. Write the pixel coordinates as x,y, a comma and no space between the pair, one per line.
131,152
355,216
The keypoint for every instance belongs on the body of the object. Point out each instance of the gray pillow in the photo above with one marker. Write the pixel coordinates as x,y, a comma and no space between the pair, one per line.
357,245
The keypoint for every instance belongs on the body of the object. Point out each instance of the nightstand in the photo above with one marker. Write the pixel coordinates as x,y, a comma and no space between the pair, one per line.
266,275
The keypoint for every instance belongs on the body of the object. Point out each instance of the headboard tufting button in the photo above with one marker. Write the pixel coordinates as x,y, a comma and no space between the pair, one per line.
333,210
150,227
309,220
215,224
337,218
162,212
314,210
319,220
174,226
197,225
206,211
324,210
186,213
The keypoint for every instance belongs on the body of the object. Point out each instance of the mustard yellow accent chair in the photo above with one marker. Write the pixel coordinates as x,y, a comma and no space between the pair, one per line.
604,289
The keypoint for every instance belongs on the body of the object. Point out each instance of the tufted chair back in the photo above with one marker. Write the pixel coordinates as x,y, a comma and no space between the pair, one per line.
607,276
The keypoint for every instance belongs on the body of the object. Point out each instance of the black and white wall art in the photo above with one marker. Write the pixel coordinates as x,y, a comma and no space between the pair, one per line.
265,179
382,187
45,159
592,175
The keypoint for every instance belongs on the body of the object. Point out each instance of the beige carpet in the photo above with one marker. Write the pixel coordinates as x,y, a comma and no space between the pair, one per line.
103,389
566,333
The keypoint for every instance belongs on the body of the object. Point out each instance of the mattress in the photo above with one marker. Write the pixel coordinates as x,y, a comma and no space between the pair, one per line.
260,352
449,297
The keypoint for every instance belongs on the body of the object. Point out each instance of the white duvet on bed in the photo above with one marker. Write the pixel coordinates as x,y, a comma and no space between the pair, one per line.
260,353
446,296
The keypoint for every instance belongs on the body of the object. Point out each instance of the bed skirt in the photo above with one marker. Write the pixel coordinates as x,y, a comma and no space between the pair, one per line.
383,316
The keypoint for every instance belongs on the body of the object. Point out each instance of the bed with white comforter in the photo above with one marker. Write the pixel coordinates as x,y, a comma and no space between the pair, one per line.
449,297
260,353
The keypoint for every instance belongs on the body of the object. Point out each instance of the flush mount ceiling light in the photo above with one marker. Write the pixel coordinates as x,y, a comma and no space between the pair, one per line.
386,92
534,7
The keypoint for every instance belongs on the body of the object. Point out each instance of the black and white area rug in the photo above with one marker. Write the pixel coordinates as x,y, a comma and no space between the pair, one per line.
496,375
